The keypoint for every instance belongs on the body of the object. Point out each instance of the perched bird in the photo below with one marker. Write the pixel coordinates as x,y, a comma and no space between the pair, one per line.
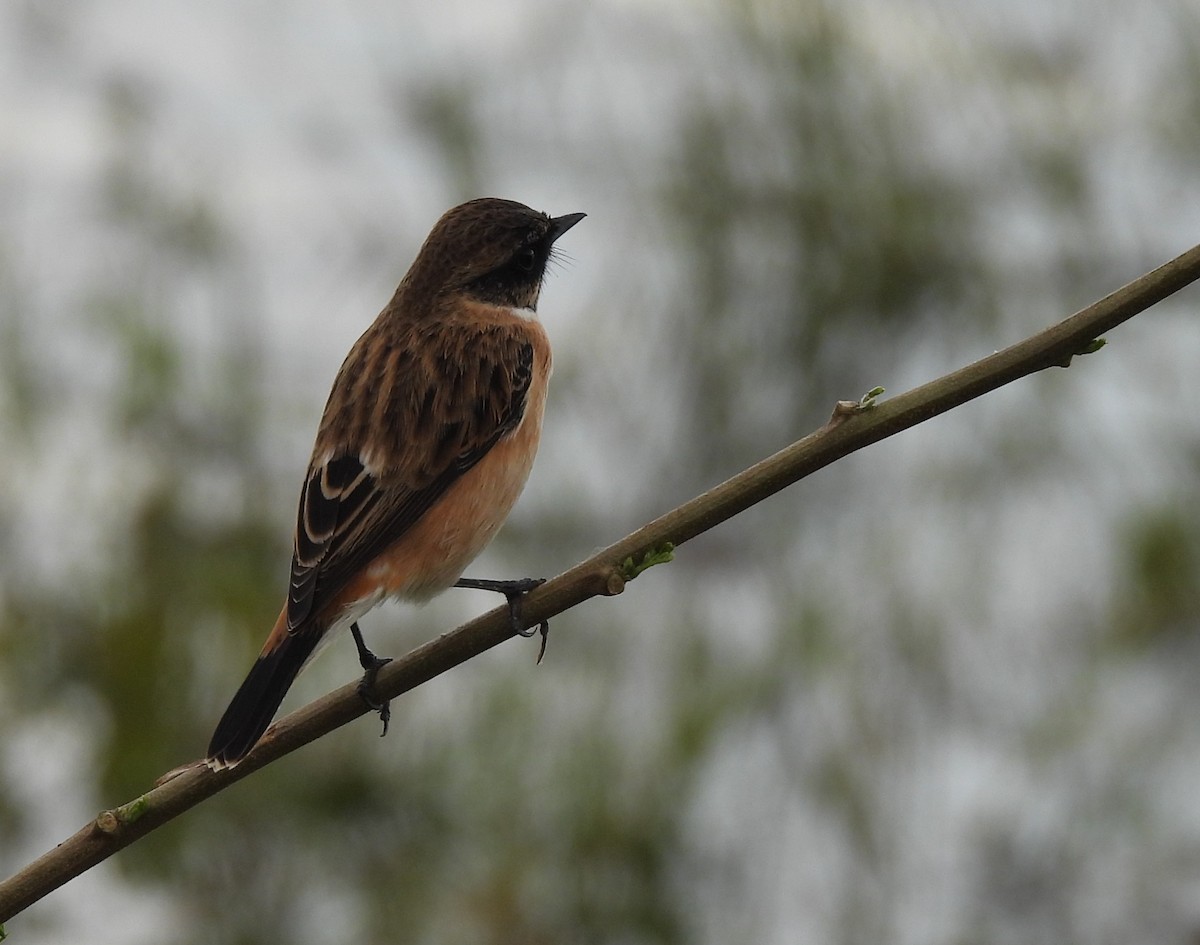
426,441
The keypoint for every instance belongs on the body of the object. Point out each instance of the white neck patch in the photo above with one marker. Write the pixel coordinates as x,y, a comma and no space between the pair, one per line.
528,314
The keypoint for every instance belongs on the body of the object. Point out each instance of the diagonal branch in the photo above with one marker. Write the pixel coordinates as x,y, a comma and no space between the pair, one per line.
605,573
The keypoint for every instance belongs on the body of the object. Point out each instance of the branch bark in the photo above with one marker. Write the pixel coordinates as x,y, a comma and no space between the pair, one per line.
605,573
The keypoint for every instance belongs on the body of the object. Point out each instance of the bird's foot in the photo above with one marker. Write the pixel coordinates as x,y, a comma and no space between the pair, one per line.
514,592
371,665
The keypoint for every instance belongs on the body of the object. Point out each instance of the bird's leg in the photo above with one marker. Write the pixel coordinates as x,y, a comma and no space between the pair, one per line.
371,665
514,592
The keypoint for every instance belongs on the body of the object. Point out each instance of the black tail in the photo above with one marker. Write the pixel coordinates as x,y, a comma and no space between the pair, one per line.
257,701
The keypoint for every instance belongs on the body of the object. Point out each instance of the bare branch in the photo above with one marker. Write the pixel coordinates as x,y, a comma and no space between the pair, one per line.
851,427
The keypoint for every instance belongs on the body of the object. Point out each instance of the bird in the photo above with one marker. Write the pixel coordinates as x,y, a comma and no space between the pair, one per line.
425,443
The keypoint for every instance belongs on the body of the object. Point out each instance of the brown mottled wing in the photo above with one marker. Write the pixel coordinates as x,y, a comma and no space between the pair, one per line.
420,423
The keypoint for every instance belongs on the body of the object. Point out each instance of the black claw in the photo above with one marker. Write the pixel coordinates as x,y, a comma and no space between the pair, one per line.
371,665
544,629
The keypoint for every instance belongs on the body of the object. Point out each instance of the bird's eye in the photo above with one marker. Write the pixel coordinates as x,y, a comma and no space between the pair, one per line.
525,259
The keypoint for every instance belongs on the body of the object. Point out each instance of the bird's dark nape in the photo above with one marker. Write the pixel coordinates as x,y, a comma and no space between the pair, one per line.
256,702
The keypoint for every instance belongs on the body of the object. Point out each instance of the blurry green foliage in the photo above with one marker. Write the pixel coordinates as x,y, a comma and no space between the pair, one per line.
1159,602
816,232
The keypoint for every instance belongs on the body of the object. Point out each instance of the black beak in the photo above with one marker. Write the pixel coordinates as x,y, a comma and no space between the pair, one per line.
560,225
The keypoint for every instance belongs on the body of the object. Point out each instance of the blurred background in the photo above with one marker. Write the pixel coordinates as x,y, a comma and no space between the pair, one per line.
941,692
